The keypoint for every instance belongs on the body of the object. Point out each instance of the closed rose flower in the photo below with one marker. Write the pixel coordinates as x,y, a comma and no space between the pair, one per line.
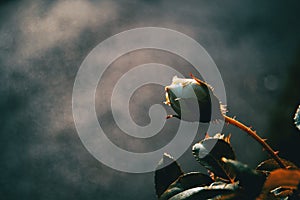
191,100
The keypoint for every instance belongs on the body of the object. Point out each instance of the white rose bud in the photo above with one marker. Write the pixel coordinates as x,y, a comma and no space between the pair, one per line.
185,96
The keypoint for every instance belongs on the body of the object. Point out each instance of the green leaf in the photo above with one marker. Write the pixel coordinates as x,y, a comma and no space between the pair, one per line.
271,165
206,192
166,173
209,153
251,180
185,182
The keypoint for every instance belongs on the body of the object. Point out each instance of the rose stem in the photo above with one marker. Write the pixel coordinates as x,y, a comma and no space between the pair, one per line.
253,134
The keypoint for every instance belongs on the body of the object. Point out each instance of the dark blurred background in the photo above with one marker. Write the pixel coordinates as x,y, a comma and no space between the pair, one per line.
255,44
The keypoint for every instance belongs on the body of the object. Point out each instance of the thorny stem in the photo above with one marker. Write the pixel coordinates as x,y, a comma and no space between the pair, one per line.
253,134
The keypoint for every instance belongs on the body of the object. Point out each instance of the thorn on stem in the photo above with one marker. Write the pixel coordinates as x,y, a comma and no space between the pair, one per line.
197,80
224,159
206,135
255,136
171,116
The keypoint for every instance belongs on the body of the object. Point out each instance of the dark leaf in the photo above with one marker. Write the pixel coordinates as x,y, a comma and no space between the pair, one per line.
206,192
281,192
166,173
296,194
251,180
232,196
209,153
185,182
271,165
281,178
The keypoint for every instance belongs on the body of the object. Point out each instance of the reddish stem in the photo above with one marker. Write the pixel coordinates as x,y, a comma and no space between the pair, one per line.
253,134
